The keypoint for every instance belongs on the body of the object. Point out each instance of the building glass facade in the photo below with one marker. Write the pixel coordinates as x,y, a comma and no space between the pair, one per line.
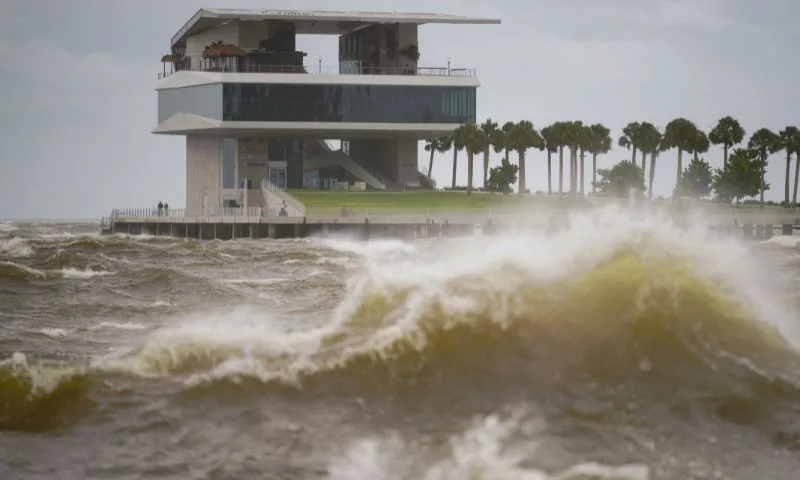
289,151
347,103
228,163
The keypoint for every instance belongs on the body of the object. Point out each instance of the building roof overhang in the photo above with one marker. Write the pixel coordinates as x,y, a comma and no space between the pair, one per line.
186,124
315,22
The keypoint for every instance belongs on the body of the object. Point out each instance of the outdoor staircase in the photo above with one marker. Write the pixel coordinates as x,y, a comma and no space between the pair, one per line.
275,197
425,180
331,156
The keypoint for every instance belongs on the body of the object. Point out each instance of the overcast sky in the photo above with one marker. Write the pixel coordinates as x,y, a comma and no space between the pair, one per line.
78,102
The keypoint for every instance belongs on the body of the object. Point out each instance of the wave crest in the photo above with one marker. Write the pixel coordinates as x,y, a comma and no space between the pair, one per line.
630,316
37,399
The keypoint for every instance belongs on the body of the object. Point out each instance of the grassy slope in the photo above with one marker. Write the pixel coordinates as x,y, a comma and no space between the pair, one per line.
334,200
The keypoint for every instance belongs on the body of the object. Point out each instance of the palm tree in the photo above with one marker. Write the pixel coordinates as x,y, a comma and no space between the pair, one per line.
505,131
586,138
682,134
788,135
558,131
551,147
600,143
765,142
522,137
489,128
458,143
436,145
700,143
728,132
475,143
796,143
573,131
649,143
629,139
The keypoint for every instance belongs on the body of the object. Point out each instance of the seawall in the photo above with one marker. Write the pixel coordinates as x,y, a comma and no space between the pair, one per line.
366,229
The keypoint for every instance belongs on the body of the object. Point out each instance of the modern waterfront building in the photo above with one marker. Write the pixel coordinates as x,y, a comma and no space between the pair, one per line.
254,116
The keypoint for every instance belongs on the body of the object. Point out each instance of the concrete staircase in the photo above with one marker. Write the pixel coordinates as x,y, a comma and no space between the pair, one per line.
327,156
275,197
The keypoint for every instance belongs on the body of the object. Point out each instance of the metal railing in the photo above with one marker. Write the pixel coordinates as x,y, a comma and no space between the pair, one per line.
335,70
543,215
293,205
180,214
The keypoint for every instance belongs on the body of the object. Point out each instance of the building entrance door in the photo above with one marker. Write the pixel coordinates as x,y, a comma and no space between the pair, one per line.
277,176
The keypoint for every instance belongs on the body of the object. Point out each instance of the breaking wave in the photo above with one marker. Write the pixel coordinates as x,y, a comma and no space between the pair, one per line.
37,398
633,308
609,299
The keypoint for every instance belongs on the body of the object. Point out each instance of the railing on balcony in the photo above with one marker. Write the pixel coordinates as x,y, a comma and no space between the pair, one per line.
337,70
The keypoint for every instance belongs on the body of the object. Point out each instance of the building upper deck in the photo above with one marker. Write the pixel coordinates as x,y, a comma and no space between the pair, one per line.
314,22
344,68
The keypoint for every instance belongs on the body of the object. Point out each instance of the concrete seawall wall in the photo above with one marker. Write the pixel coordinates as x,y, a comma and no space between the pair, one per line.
367,230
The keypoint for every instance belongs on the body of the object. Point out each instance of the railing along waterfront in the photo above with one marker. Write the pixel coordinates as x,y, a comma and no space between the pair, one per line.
334,70
188,215
500,215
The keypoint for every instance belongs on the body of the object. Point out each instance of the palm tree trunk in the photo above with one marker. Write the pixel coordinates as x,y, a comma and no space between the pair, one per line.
583,156
455,165
763,157
633,154
430,163
572,171
594,172
788,174
680,170
485,166
522,172
560,171
644,164
550,174
796,177
470,168
725,157
653,156
577,171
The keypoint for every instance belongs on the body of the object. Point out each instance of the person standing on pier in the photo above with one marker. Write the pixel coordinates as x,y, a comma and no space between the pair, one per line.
166,209
160,207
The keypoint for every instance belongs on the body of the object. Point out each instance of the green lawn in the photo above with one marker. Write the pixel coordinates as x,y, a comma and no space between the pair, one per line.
319,201
316,200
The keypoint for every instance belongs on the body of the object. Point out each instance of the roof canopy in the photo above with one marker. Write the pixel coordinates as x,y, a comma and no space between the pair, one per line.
315,22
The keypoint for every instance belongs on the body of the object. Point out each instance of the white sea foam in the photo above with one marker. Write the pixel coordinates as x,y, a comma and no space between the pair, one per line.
788,241
120,326
485,451
15,247
54,332
75,274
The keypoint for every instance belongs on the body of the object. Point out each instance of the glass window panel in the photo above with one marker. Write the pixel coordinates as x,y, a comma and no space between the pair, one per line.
228,163
348,103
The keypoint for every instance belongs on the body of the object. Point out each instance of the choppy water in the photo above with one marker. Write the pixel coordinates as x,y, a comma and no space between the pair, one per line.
616,348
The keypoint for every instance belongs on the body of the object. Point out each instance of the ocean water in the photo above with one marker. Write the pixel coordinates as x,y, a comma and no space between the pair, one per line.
618,347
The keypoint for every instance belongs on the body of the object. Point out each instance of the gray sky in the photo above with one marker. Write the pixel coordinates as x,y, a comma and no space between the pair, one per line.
78,77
